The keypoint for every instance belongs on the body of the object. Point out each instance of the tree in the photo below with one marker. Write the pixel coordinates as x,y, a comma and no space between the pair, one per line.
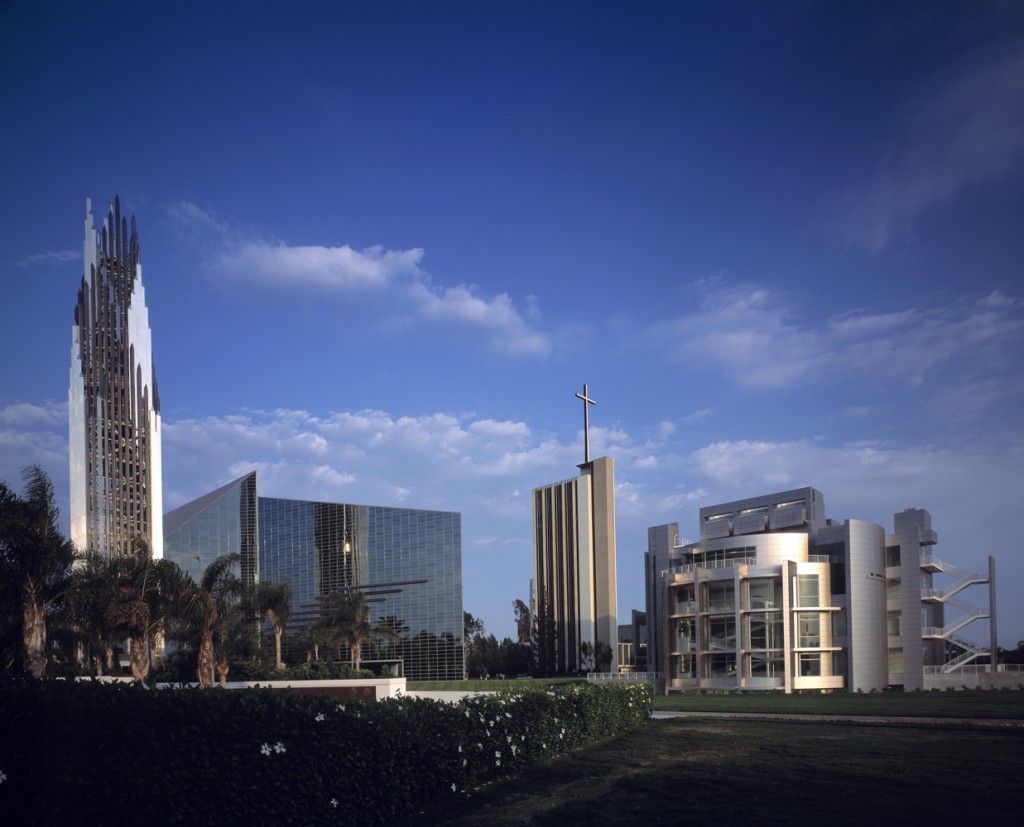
523,621
275,601
587,661
91,593
472,631
212,616
35,562
143,592
346,622
1011,655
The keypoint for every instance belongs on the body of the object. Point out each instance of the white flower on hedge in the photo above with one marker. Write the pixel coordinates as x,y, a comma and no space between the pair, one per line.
3,776
319,716
453,786
265,749
460,747
341,707
508,714
497,763
481,746
279,747
334,802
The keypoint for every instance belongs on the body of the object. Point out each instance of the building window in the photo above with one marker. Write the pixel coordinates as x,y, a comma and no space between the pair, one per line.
685,636
808,631
684,599
722,665
807,590
763,593
809,664
721,596
764,631
686,666
722,632
765,664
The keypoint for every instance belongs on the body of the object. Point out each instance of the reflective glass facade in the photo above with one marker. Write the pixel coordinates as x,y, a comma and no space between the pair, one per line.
222,522
408,562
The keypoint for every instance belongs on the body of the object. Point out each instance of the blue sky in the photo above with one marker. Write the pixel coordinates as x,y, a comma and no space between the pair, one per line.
384,244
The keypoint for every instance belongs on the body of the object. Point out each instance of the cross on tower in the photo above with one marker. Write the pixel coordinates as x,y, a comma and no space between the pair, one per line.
587,402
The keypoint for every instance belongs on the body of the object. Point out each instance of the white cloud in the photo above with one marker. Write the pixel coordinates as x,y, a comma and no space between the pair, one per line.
336,268
968,133
412,297
49,258
23,415
751,335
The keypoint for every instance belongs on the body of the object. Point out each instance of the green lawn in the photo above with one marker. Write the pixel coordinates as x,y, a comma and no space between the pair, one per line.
715,771
962,704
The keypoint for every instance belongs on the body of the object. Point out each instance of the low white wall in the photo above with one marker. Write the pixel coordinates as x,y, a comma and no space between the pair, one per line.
358,687
977,680
369,689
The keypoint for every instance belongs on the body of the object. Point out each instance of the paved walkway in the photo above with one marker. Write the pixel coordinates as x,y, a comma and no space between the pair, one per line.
855,719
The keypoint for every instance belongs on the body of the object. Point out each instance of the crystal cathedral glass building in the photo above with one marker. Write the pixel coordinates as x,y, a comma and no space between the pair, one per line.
407,561
113,405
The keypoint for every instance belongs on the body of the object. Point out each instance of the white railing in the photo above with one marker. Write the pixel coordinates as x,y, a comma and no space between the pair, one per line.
929,559
717,564
624,677
975,669
947,630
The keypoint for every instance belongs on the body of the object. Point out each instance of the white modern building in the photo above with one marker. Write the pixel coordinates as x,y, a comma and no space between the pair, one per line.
777,597
113,405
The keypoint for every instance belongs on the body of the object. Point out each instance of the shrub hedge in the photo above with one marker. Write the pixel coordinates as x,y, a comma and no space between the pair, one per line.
91,753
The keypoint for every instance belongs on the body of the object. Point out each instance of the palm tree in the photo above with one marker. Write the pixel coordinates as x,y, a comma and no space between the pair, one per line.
275,601
346,621
219,617
144,591
92,591
35,561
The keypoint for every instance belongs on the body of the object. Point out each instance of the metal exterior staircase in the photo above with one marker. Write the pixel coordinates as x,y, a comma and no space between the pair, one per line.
961,580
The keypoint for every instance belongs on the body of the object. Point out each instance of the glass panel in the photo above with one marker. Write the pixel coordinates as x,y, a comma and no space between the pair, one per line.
721,596
809,664
722,632
808,630
765,631
722,665
765,664
807,590
764,593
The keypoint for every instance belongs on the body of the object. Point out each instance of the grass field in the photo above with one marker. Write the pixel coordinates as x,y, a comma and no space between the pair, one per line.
962,704
718,771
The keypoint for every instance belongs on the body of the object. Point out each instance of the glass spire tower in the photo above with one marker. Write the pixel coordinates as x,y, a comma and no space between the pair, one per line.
113,406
